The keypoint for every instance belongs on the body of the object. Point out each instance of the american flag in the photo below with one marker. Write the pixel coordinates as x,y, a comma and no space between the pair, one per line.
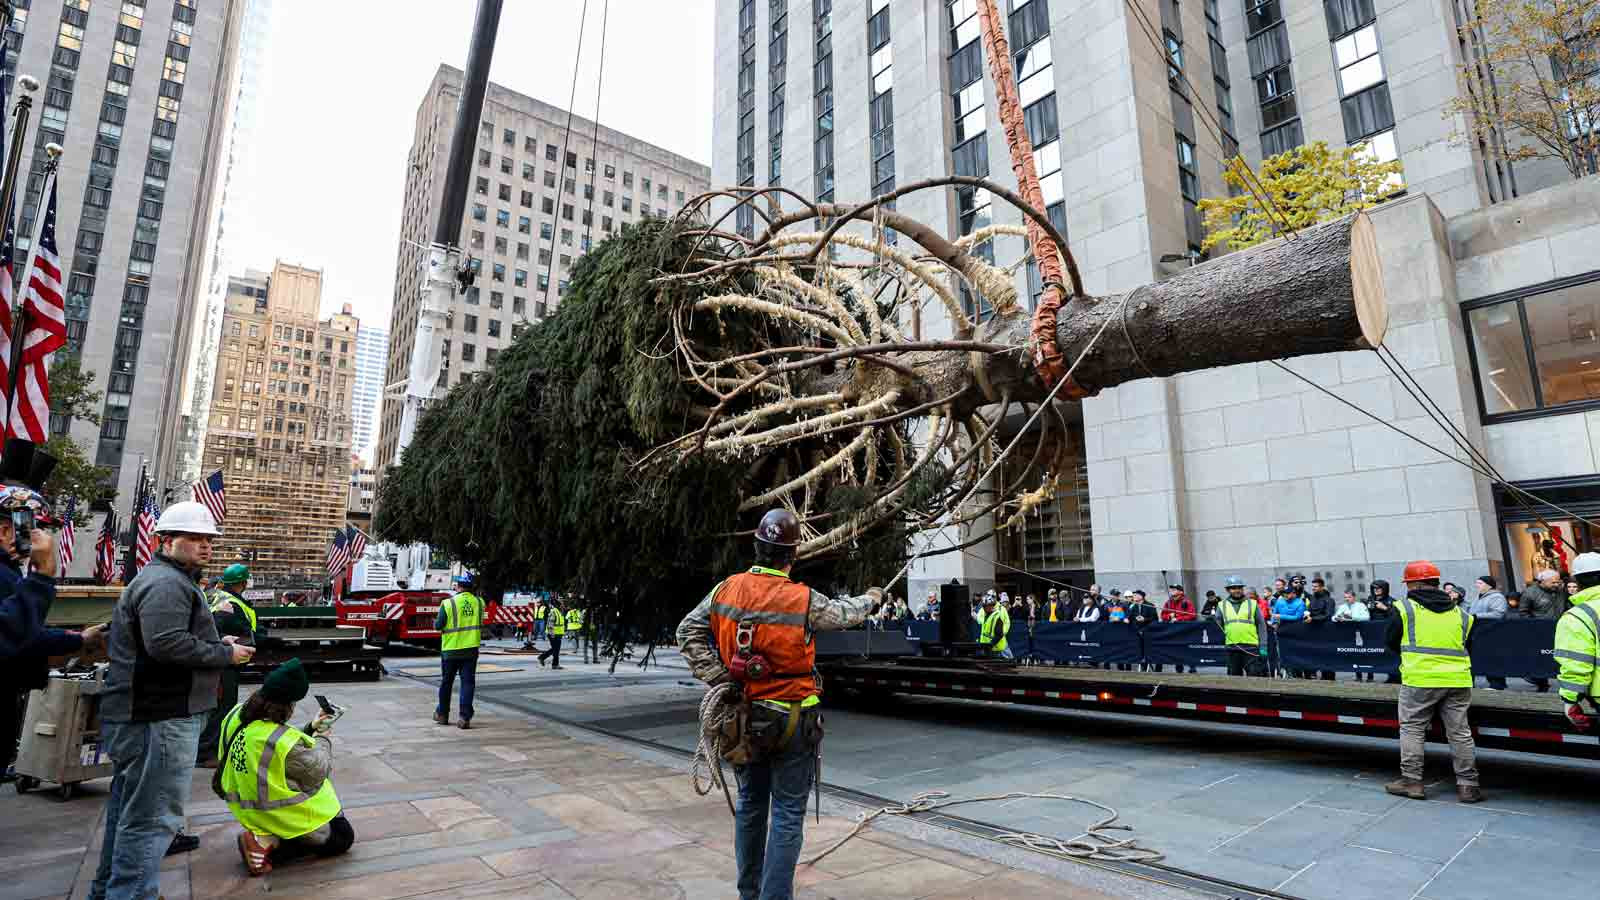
358,544
209,492
64,548
145,521
338,553
7,271
105,551
45,315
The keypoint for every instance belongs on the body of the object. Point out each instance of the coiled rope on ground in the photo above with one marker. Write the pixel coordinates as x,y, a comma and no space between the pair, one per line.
1093,843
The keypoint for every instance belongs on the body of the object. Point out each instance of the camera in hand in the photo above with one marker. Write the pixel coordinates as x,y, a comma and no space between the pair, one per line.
24,469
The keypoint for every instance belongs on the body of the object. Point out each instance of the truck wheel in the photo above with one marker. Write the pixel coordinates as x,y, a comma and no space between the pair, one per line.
26,783
65,792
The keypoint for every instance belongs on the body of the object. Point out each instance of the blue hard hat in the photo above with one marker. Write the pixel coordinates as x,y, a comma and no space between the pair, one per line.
464,579
1234,581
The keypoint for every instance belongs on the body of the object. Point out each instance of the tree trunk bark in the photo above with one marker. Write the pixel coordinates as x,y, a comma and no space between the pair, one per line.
1317,291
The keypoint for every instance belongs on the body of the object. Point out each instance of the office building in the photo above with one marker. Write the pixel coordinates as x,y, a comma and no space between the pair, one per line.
540,196
372,356
237,167
281,425
363,494
1131,110
136,93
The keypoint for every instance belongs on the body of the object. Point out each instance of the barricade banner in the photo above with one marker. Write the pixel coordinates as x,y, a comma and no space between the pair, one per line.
889,643
1185,644
1093,642
926,632
1335,647
1516,648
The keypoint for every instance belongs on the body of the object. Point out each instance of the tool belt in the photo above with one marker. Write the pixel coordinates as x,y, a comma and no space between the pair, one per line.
760,730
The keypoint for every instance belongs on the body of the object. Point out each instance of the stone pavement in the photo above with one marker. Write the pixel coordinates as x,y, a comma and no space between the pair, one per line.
517,807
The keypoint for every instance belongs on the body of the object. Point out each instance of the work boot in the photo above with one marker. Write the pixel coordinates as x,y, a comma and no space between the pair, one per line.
207,764
1406,787
1469,793
464,724
182,843
440,719
253,854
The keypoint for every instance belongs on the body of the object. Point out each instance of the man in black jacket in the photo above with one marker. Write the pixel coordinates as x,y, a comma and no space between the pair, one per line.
166,663
1141,615
1320,607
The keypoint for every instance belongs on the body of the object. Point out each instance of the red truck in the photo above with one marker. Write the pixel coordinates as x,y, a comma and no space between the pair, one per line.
408,616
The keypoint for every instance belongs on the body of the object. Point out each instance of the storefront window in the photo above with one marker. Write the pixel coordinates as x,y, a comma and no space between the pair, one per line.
1539,350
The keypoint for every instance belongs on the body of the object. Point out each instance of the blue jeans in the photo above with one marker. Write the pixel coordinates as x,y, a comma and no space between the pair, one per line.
538,629
154,764
467,668
767,861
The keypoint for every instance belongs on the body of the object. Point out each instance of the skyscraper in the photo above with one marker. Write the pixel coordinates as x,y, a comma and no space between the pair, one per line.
1236,469
135,92
530,214
237,166
372,356
281,422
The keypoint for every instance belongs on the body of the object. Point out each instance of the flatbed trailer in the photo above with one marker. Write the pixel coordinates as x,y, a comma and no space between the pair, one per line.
1504,720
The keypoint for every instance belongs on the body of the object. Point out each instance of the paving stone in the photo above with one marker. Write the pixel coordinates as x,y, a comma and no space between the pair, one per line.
915,878
1297,837
1427,829
1482,872
338,884
1361,872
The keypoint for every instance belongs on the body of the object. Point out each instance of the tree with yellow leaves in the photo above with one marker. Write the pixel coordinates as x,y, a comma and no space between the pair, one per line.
1532,87
1296,188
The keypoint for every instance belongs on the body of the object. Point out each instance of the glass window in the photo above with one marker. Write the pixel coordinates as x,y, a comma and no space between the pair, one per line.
1539,351
1360,66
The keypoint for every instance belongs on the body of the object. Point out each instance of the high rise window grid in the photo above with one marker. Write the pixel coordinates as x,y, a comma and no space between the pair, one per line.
822,99
1268,49
745,217
880,98
777,75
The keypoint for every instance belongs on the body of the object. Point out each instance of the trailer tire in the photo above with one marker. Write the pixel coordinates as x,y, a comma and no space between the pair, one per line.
26,783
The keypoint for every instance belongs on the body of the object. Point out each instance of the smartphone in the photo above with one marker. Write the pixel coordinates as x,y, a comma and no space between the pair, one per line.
328,709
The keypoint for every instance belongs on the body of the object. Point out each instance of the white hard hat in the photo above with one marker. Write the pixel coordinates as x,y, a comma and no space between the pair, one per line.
187,517
1586,563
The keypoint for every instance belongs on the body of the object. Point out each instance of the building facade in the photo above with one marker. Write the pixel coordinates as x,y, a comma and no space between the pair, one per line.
1242,470
282,424
135,92
372,358
540,196
242,97
363,494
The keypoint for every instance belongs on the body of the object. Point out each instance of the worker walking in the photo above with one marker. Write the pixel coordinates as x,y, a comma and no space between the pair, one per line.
1244,630
996,625
536,630
754,630
575,626
1578,643
1433,637
556,629
235,617
460,625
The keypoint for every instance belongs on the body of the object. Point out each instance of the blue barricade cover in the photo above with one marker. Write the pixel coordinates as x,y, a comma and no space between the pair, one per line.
864,643
1099,642
1185,644
1335,647
1519,648
927,632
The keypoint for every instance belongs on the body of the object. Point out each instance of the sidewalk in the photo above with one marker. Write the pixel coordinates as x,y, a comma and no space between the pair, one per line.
515,807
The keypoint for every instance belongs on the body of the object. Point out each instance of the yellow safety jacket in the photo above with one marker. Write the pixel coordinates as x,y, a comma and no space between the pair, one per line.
1239,623
255,787
558,624
1433,651
996,626
574,620
217,597
1578,647
463,622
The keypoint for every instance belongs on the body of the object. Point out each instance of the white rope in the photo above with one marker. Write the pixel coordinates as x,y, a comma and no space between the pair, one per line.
1093,843
716,710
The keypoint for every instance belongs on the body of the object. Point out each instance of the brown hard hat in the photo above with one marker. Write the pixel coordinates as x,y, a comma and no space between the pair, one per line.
779,527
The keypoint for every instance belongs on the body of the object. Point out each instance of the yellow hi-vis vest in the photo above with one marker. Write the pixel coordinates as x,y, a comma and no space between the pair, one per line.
1239,623
218,596
574,620
1578,647
1433,652
463,622
558,624
255,788
995,627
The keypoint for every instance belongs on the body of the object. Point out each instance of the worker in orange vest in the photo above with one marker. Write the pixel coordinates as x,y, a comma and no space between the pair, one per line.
754,630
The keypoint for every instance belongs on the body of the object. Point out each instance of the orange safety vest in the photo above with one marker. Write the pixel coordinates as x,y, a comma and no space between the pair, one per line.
778,608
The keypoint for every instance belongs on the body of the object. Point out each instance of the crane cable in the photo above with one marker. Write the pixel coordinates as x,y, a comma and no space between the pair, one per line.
561,161
594,138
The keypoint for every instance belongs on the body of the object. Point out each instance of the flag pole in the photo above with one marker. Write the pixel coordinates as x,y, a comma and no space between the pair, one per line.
15,143
19,288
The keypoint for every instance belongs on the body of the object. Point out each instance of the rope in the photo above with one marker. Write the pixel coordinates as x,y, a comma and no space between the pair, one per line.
594,139
561,161
1093,843
1132,345
716,710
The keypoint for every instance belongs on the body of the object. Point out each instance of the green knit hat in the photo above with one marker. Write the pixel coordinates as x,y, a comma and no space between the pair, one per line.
288,683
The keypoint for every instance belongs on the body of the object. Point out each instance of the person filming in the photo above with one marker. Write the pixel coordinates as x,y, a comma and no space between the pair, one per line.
275,777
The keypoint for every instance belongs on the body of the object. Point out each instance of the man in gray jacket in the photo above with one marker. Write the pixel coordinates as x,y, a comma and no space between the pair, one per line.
166,662
1546,598
1489,604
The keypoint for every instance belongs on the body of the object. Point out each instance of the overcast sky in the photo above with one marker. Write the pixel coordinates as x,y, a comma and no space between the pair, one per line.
341,85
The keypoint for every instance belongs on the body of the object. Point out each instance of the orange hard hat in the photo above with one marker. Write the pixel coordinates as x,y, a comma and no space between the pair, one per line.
1421,570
